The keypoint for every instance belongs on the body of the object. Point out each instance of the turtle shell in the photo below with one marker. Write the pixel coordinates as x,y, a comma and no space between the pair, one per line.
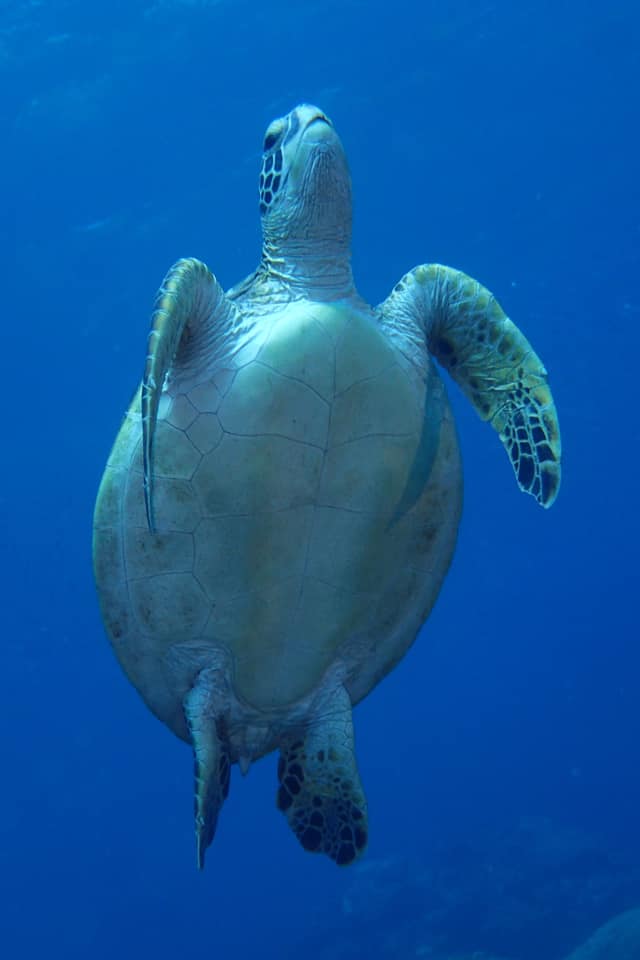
306,511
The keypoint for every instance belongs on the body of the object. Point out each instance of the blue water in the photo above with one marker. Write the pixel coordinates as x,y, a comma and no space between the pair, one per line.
497,137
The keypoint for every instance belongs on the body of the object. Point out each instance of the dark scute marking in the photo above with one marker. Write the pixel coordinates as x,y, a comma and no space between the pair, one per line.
545,453
526,448
538,435
525,472
356,813
295,770
317,801
361,838
268,164
345,834
276,183
310,838
519,419
535,489
270,140
268,181
548,485
281,768
284,799
267,197
278,162
292,785
346,854
263,207
316,819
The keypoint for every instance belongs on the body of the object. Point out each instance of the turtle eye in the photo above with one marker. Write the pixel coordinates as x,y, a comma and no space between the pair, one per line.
272,136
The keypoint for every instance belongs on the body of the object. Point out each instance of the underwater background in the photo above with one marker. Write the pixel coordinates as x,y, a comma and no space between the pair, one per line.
500,758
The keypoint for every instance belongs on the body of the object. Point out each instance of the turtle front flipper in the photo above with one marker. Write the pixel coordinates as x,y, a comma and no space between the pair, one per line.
212,761
460,322
193,324
320,790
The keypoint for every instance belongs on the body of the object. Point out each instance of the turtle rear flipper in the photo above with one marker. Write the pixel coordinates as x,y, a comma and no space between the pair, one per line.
320,790
459,321
212,761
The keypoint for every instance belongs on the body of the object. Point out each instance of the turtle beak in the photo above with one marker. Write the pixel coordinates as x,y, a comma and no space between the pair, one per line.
314,123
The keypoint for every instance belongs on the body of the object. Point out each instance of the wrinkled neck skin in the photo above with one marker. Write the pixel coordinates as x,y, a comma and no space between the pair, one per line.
307,242
318,274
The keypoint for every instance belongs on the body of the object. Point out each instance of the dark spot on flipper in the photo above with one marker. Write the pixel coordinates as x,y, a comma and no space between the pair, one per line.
278,161
549,486
284,799
268,164
346,854
526,472
310,839
545,453
293,785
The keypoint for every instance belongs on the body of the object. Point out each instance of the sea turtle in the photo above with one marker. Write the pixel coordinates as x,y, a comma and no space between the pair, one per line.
281,503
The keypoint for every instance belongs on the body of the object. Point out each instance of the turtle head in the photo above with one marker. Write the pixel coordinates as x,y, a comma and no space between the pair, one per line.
305,192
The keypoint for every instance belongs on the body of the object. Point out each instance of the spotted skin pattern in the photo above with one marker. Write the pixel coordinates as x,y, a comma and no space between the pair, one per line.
320,791
459,322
